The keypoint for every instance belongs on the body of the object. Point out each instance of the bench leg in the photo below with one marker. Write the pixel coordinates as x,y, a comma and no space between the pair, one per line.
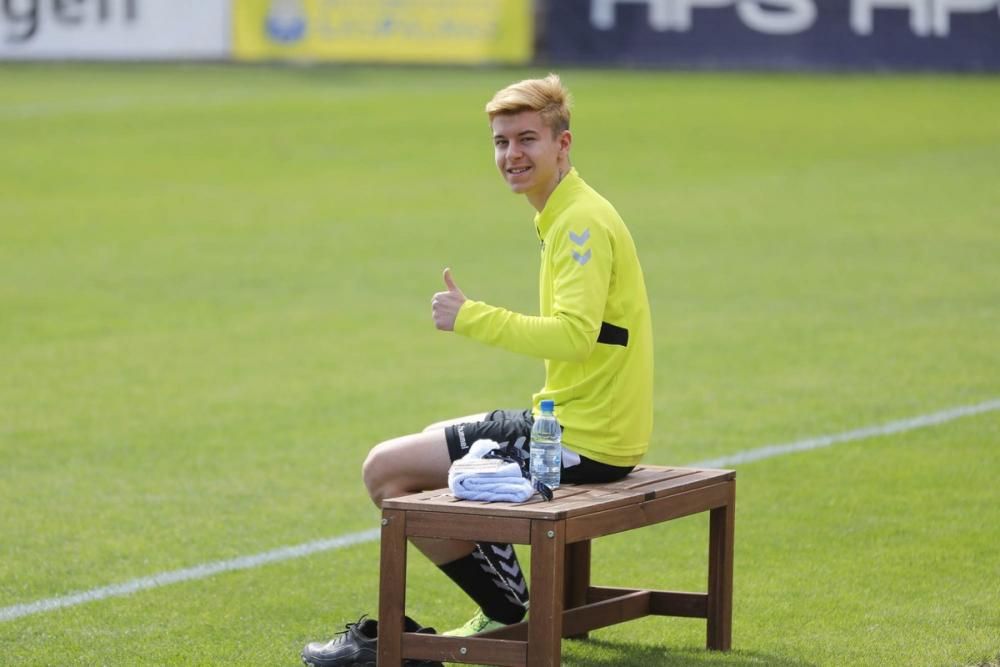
577,577
548,557
720,573
392,589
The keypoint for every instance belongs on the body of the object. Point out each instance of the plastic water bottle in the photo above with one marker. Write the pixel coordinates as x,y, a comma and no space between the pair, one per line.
546,447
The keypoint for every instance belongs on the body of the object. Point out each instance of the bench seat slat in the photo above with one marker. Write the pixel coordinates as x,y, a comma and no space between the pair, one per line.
572,500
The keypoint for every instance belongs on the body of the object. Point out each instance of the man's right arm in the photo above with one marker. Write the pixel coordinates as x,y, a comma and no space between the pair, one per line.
563,337
579,290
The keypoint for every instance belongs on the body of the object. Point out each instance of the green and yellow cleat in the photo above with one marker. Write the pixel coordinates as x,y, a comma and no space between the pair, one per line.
478,624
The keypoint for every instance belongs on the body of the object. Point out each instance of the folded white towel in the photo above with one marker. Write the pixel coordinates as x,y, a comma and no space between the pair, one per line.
500,482
481,448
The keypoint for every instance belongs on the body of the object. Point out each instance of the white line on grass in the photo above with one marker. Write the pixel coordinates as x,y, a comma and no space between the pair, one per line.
206,570
189,574
890,428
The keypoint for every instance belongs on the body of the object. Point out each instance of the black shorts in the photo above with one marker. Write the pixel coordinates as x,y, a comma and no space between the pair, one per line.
514,427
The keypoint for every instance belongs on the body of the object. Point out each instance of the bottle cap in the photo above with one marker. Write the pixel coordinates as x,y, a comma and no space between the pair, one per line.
548,406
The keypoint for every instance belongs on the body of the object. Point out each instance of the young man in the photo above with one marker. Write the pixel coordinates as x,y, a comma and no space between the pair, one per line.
593,332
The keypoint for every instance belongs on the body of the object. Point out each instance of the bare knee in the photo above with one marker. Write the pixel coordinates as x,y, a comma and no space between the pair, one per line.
377,475
386,474
406,465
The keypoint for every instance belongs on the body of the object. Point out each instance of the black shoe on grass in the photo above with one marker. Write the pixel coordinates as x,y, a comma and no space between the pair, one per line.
357,646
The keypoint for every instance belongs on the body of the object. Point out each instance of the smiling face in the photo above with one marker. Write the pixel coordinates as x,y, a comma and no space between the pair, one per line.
530,157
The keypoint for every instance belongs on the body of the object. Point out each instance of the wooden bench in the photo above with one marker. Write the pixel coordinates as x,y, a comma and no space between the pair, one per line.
563,601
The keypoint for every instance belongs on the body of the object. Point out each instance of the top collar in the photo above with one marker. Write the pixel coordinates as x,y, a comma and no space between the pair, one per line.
557,202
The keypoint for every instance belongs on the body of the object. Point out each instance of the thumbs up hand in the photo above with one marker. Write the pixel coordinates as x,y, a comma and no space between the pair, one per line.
445,305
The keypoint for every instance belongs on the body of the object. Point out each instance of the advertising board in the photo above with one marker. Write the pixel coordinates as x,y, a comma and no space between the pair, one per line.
783,34
423,31
114,29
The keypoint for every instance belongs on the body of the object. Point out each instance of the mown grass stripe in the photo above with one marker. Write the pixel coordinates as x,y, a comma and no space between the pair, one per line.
206,570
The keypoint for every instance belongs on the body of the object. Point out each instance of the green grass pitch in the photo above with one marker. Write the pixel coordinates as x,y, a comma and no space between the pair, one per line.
215,293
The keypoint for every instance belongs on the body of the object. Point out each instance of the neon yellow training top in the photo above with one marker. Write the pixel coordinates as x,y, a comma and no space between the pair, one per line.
594,331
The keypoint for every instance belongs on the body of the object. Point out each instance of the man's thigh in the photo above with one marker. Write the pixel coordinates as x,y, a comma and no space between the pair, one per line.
505,427
417,461
421,460
514,427
457,420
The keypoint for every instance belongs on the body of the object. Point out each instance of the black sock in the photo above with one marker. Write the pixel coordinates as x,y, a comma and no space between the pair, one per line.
501,597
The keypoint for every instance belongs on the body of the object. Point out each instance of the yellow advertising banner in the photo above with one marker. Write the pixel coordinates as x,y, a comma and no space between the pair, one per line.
401,31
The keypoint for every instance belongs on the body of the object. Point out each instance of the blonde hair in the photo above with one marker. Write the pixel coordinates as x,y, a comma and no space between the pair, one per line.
548,96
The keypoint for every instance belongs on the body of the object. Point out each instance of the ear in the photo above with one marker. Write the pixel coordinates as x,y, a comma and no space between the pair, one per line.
565,142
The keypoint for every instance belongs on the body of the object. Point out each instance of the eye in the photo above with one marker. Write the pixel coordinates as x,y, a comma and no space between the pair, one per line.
500,143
